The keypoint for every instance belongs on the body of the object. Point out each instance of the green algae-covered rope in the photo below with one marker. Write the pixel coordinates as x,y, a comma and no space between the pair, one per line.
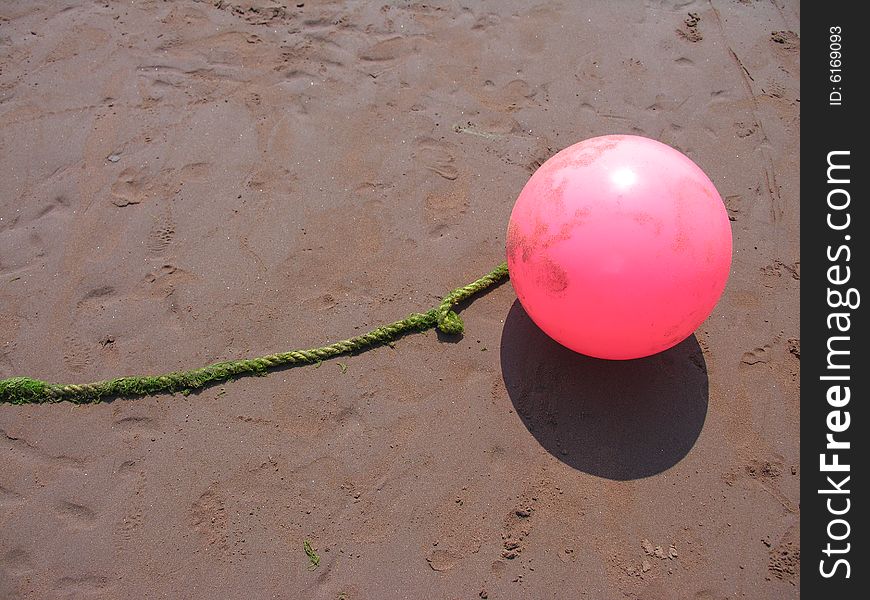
23,390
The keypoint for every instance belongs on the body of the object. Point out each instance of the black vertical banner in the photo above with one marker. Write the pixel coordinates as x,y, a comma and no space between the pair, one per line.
834,371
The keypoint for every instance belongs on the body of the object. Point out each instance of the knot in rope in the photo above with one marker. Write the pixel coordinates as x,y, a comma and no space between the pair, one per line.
450,323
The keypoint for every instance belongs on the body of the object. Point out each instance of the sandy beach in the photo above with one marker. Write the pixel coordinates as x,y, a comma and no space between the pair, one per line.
193,181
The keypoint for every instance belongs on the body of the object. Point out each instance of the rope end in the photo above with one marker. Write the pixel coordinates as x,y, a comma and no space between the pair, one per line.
23,390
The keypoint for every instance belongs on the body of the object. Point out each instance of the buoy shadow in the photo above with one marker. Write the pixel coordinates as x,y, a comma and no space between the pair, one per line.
619,420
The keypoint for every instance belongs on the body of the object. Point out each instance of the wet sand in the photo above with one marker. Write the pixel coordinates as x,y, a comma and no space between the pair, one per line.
186,182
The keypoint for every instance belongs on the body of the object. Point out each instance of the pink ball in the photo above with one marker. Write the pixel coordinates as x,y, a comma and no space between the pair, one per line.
619,247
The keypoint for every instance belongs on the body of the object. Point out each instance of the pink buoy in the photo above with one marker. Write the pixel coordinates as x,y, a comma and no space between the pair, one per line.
619,247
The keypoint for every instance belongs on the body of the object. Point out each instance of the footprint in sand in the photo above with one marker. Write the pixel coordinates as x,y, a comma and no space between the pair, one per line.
76,516
390,49
734,204
457,538
77,355
161,235
258,12
784,559
208,516
8,497
510,97
96,298
17,561
84,586
758,355
133,516
133,422
445,207
129,188
438,157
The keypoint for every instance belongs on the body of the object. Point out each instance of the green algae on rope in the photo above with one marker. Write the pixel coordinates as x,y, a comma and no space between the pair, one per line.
24,390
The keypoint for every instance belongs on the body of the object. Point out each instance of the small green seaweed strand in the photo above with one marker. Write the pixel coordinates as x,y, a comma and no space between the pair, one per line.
313,557
24,390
